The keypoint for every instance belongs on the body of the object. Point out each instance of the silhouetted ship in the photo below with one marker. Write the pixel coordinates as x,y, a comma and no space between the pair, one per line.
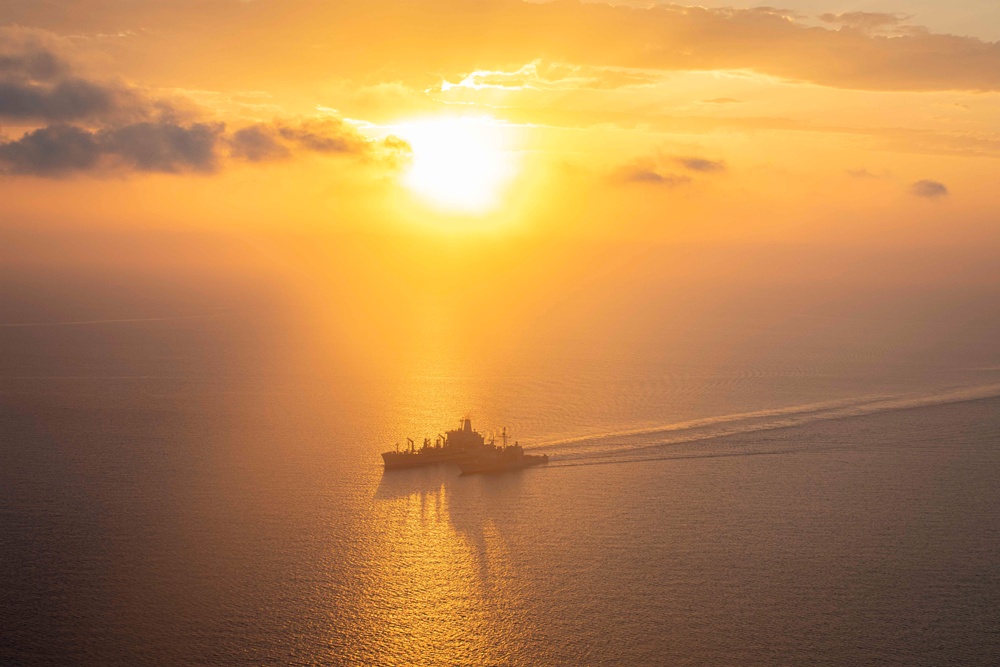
491,459
457,446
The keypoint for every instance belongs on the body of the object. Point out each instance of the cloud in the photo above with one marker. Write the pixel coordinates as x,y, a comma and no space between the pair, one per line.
279,140
165,147
51,150
59,150
38,83
543,75
86,124
655,170
929,189
446,39
609,45
258,144
94,126
327,135
639,175
646,172
722,100
29,55
68,100
702,164
867,22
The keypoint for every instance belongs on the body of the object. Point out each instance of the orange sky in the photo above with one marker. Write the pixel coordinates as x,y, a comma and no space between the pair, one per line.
459,174
826,122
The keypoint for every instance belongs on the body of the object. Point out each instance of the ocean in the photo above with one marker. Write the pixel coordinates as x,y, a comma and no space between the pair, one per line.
191,485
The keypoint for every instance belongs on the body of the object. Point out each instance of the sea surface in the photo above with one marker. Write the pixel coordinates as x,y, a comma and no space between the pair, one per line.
178,488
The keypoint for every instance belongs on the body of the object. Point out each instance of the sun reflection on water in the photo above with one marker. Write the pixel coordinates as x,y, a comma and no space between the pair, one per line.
438,593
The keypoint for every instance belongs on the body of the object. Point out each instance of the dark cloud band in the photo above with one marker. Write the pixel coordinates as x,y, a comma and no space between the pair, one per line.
92,126
165,147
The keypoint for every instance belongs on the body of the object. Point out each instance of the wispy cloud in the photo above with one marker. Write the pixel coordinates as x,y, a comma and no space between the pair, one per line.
545,75
640,174
866,175
929,189
701,164
868,22
659,169
848,50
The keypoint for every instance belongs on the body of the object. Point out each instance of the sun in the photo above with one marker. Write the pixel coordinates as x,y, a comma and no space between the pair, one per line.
459,164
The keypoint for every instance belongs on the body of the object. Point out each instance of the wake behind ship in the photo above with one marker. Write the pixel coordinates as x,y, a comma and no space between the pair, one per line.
456,446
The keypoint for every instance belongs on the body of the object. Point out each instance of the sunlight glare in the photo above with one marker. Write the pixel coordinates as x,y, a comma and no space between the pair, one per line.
459,164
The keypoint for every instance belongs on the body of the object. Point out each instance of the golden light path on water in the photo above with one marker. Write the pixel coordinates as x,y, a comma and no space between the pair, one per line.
440,587
439,591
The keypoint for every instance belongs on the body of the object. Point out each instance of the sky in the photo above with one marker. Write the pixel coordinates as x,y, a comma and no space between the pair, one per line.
975,18
854,142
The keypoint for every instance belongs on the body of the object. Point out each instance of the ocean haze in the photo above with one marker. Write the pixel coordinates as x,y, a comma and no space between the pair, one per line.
745,470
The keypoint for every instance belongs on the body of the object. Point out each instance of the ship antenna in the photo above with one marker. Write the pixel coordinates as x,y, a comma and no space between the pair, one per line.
505,437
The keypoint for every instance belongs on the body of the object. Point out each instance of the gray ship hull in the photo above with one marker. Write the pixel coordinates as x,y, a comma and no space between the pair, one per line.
490,465
420,458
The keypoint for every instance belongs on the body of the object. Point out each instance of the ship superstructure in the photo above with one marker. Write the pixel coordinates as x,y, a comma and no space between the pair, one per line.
492,459
455,446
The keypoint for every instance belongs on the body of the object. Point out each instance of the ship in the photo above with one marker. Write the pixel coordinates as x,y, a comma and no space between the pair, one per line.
492,459
456,446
